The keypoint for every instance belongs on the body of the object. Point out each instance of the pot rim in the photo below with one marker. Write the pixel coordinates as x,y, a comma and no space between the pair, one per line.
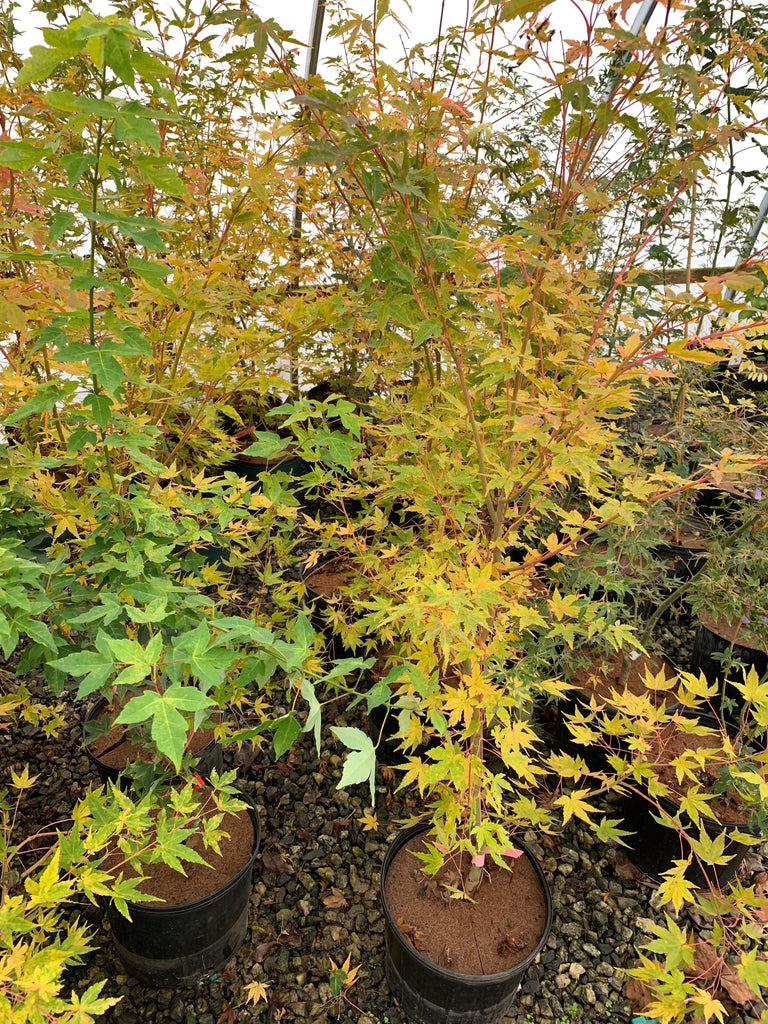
712,825
443,972
168,910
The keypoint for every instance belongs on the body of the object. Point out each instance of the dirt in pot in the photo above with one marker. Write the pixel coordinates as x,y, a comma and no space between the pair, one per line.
602,677
331,576
669,744
499,929
743,632
173,888
115,750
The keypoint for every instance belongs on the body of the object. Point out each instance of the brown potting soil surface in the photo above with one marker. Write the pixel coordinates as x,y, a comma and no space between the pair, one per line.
329,577
115,750
741,633
671,742
740,486
260,460
201,879
500,928
600,678
687,539
691,534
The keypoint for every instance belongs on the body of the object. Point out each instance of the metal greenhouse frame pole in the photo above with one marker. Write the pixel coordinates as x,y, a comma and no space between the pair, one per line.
641,20
313,55
735,361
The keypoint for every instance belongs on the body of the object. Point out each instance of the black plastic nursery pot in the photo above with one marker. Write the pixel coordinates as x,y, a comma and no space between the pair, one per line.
251,469
655,846
175,946
209,757
430,994
711,651
721,503
681,562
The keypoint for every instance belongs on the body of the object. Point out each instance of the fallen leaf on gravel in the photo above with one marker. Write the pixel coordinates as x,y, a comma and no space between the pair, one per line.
277,863
228,1015
705,956
262,951
698,916
753,862
638,993
291,934
369,822
255,991
625,868
738,990
335,899
414,936
708,963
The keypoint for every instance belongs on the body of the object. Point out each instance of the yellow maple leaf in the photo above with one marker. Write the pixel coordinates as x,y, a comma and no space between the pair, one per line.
574,805
23,780
369,822
348,972
256,991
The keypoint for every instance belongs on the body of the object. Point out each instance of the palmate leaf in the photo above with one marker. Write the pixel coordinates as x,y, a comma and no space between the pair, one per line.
44,400
128,127
154,273
42,61
169,728
286,731
360,763
753,972
20,155
117,55
206,661
696,803
128,890
574,805
673,943
101,407
91,1004
608,829
47,889
675,888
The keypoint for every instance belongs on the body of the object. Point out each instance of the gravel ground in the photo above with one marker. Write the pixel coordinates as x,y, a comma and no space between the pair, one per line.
315,897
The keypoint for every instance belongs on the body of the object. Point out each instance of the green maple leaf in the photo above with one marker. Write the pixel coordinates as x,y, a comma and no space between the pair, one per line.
169,727
196,649
753,972
608,828
285,734
671,942
360,763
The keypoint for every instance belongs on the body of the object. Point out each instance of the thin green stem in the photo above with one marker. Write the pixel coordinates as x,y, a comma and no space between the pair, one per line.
95,183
